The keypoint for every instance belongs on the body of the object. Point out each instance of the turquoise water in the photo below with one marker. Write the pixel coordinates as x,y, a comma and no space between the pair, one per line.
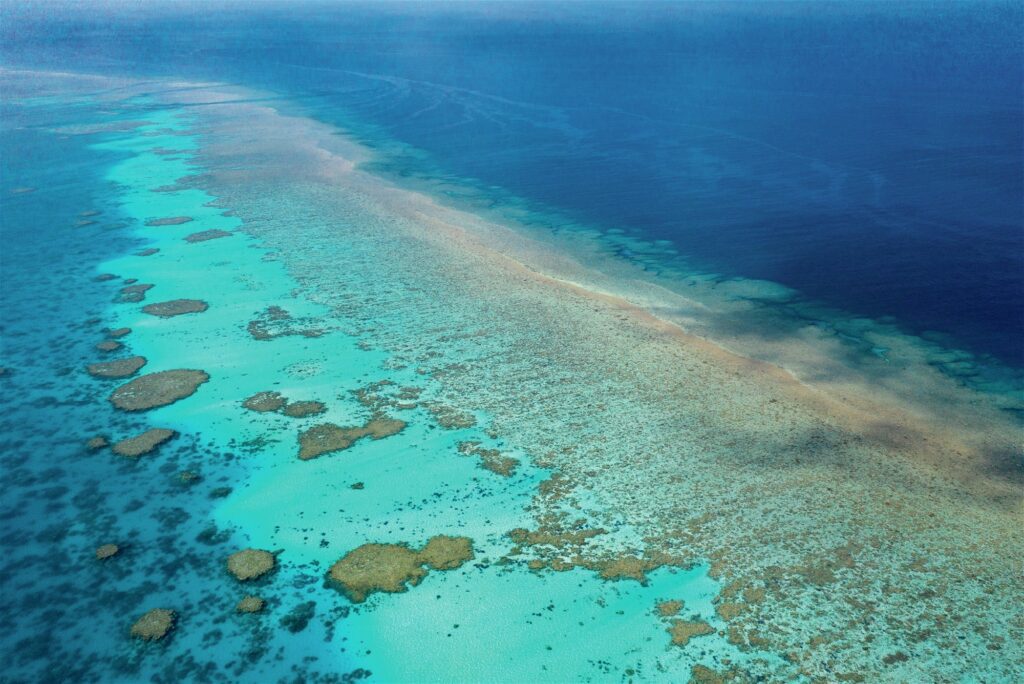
485,621
809,544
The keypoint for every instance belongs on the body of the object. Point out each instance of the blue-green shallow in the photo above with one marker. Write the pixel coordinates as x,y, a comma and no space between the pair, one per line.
386,308
70,613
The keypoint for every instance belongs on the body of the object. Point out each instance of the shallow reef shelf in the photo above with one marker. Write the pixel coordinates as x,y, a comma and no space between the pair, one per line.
317,424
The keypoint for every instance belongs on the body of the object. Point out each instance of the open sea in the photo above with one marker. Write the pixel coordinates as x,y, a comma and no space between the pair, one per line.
577,341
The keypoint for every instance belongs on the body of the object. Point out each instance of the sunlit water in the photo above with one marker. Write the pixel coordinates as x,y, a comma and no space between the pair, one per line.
802,546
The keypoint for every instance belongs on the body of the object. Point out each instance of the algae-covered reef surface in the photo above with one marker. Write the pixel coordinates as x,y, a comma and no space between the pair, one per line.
398,441
392,567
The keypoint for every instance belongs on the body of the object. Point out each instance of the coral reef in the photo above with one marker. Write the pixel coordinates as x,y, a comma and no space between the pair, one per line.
120,368
276,322
446,553
106,551
143,443
298,617
669,608
250,604
249,564
131,294
327,437
204,235
682,631
170,221
392,568
264,402
154,625
450,418
175,307
157,389
303,409
490,459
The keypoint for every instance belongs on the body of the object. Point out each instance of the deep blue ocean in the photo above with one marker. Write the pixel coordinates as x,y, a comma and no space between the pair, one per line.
866,154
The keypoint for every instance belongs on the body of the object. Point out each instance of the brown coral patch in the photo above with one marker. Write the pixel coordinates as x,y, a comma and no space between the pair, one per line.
205,235
106,551
176,307
669,608
821,571
628,566
144,443
701,674
154,625
682,631
303,409
730,611
109,345
328,437
449,417
149,251
490,459
135,293
380,427
264,402
118,332
550,536
97,442
446,553
753,594
276,322
169,221
376,567
157,389
324,439
249,564
250,604
392,568
623,567
121,368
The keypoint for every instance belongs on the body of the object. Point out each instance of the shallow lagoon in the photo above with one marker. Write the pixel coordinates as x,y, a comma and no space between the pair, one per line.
414,485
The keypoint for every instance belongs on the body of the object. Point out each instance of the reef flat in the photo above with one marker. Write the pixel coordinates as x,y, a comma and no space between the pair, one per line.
817,481
392,567
511,435
157,389
143,443
175,307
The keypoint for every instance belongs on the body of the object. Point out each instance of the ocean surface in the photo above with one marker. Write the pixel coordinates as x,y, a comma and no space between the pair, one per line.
698,324
867,154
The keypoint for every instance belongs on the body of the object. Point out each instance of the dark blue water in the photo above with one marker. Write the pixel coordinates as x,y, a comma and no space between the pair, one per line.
867,154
